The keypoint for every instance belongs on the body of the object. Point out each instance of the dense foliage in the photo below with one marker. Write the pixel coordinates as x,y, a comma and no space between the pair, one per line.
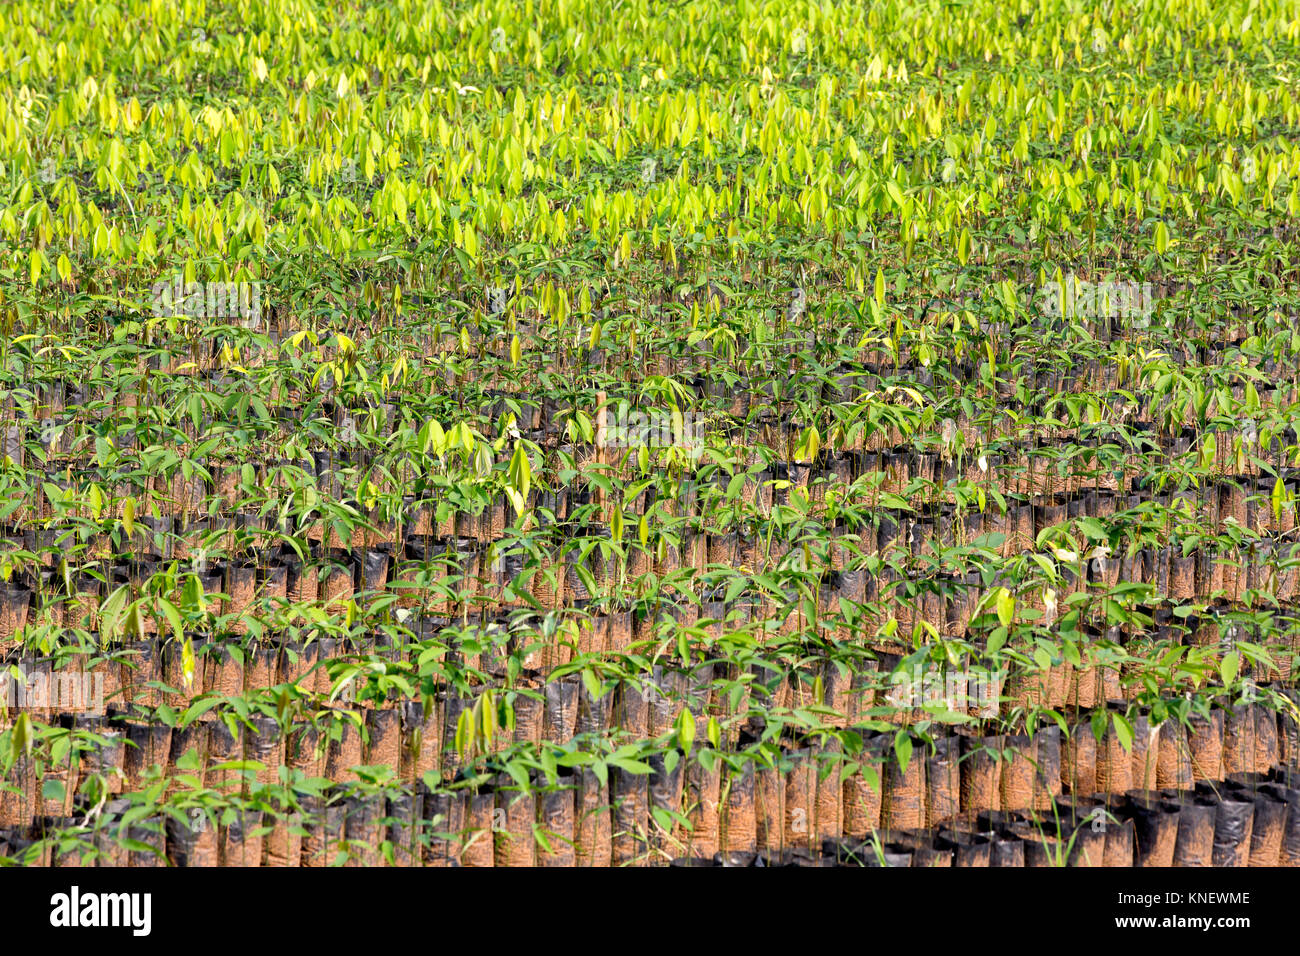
623,416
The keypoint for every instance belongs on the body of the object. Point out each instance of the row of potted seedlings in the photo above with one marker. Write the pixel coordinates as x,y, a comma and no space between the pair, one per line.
692,810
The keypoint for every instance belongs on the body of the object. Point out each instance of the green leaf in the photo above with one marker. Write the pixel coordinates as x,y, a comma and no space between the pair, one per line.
810,444
128,517
54,790
520,474
1229,667
1006,607
20,741
686,730
1123,730
173,617
903,749
1162,237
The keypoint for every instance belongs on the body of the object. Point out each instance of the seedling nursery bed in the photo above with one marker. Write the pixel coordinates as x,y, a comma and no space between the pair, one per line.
706,434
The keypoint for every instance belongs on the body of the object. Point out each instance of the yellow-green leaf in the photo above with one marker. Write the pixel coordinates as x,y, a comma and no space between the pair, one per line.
1006,606
686,730
1162,237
